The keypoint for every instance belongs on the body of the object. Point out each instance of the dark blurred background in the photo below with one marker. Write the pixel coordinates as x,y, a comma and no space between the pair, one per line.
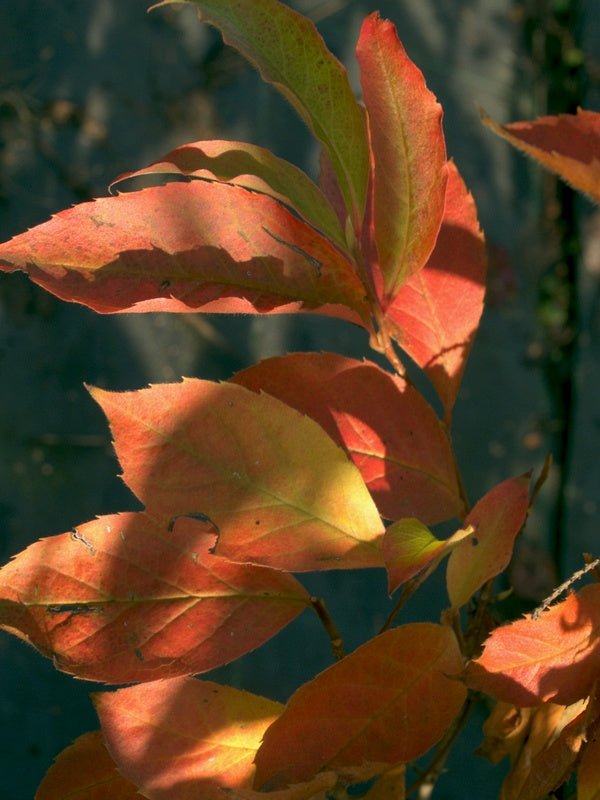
91,88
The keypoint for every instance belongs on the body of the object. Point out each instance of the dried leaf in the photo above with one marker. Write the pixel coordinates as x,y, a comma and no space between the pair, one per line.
555,657
85,771
409,153
386,427
435,316
188,247
185,739
276,487
123,599
254,168
497,519
567,144
387,702
505,731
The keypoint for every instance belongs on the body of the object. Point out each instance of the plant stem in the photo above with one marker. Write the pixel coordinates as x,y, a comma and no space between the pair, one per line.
337,644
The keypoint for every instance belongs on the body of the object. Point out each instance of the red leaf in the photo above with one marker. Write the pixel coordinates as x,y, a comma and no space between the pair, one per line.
409,153
567,144
553,658
188,247
254,168
276,487
85,771
386,427
435,316
122,599
185,739
497,519
389,701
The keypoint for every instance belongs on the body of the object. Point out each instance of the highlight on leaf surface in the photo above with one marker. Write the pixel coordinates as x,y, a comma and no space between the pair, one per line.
123,598
555,657
389,701
496,519
85,771
435,315
289,52
409,154
185,739
279,491
254,168
409,467
188,247
566,144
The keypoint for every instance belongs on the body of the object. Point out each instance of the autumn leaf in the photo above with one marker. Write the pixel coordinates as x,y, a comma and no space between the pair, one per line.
392,435
435,315
123,599
555,657
497,519
254,168
387,702
85,771
277,489
188,247
409,547
409,154
505,732
185,739
289,52
567,144
588,772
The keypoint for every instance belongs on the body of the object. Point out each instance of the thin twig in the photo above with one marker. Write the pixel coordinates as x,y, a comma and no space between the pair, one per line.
337,644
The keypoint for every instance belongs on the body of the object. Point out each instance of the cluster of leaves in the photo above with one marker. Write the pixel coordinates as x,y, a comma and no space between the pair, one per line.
303,462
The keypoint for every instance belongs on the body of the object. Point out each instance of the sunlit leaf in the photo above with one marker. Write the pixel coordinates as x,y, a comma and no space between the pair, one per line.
276,487
387,702
409,153
123,599
497,519
85,771
555,657
250,167
187,247
185,739
435,316
409,547
290,53
567,144
386,427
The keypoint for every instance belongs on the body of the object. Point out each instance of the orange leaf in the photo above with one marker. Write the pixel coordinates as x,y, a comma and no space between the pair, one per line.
409,153
123,599
386,427
276,487
85,771
188,247
254,168
185,739
435,316
588,774
505,731
497,519
554,657
567,144
409,547
387,702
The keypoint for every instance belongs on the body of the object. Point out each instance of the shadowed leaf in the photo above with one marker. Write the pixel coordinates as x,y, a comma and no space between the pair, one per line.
555,657
409,153
567,144
290,53
386,427
435,316
185,739
85,771
123,599
187,247
497,519
276,487
389,701
250,167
